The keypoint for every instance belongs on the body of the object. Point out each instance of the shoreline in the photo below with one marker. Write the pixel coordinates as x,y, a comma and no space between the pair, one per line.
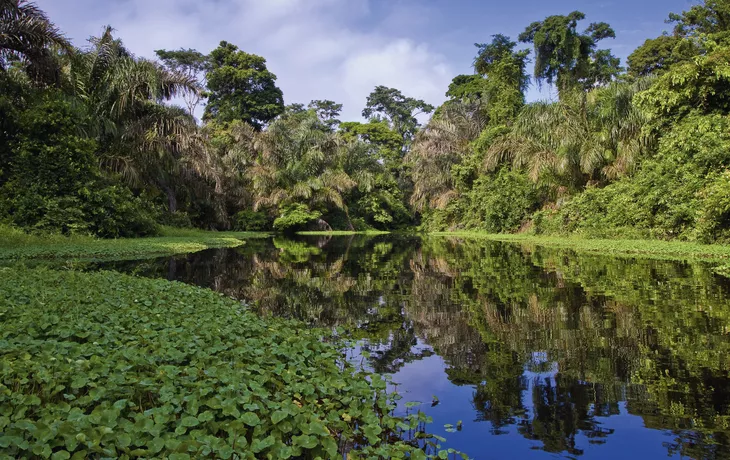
655,249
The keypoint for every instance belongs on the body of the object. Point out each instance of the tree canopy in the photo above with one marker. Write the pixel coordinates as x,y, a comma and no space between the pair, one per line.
240,87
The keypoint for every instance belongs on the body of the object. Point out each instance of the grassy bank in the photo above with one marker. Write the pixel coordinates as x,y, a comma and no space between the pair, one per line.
15,244
344,233
108,365
657,249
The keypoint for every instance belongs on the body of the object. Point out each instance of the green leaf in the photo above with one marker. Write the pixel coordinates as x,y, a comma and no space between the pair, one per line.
250,419
179,456
190,421
278,416
305,441
124,440
156,445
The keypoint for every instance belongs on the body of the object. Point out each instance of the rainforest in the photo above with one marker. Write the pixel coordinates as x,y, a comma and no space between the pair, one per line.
194,266
93,144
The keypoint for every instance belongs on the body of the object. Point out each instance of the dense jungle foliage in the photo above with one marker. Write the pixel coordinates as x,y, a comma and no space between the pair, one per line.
92,143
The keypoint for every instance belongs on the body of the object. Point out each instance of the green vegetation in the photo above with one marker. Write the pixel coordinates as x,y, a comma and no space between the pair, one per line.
91,145
344,233
610,336
94,156
15,244
109,365
660,250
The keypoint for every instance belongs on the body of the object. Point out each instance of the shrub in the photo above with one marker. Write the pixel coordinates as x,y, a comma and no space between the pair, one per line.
295,216
51,180
713,223
251,221
501,203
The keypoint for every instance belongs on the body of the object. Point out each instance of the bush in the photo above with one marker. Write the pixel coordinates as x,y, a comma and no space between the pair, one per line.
675,195
294,217
713,223
501,203
251,221
51,180
103,365
177,219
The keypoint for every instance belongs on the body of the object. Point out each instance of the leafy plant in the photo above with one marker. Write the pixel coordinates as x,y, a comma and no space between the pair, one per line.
107,365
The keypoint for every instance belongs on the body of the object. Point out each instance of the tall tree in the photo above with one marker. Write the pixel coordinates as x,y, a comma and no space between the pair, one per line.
327,111
241,88
139,137
443,143
506,78
400,111
654,57
709,17
189,62
28,35
566,57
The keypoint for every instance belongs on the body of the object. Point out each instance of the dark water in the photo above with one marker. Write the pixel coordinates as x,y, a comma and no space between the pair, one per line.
540,353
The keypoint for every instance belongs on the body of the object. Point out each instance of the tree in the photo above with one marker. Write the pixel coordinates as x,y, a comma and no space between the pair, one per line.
189,62
564,56
654,57
49,174
506,78
138,136
28,35
581,138
466,88
241,88
443,143
398,110
387,142
299,169
327,111
710,17
699,85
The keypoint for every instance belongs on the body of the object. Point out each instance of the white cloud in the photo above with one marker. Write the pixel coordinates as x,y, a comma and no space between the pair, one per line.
319,49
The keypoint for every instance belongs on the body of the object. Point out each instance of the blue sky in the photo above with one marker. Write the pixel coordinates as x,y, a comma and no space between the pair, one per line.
342,49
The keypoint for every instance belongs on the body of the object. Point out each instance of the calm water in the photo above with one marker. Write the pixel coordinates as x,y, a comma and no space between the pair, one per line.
540,353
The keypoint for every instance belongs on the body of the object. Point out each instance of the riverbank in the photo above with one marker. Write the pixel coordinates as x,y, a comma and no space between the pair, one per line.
176,371
656,249
15,244
344,233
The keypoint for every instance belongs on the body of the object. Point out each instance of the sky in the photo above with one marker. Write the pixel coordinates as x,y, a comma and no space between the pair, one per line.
341,49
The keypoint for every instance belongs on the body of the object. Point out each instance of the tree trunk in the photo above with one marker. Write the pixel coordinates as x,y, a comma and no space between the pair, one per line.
322,224
171,200
350,227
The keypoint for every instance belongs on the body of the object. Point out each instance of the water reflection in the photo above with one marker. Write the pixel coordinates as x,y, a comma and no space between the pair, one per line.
537,351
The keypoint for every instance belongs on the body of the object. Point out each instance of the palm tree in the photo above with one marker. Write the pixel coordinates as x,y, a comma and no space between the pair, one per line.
140,138
597,136
300,162
26,34
444,142
546,140
618,129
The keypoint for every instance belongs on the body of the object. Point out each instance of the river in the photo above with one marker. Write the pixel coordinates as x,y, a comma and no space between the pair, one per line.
514,351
